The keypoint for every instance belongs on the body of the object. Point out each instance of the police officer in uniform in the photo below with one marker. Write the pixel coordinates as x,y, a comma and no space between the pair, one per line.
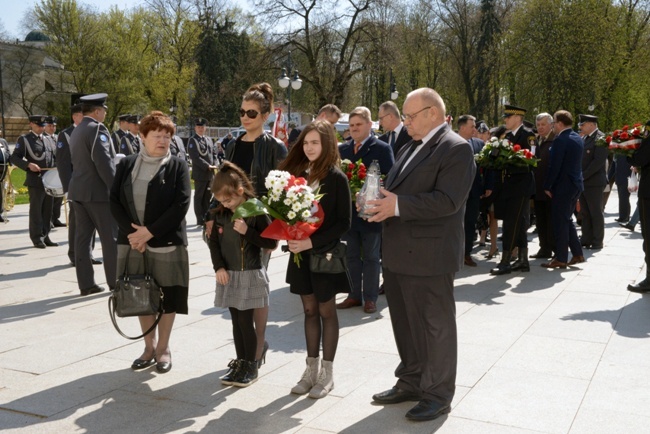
32,154
177,148
5,155
204,160
94,169
130,143
49,138
117,135
512,202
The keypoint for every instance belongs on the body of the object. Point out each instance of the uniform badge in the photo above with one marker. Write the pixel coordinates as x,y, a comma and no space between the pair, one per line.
17,146
123,146
531,141
191,146
103,138
59,145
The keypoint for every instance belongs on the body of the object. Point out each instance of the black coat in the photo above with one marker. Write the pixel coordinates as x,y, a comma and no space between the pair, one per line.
168,199
594,159
641,159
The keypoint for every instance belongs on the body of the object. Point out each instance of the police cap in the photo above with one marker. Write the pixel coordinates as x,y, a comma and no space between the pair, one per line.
124,117
50,120
200,121
587,118
509,110
95,100
38,120
133,119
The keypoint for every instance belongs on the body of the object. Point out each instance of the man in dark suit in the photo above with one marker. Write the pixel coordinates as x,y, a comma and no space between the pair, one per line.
32,154
204,160
512,202
396,134
622,171
594,159
364,238
94,169
467,130
563,185
328,112
423,246
544,123
641,160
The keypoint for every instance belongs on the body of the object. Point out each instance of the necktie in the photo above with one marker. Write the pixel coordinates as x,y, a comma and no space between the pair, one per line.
392,139
408,153
357,146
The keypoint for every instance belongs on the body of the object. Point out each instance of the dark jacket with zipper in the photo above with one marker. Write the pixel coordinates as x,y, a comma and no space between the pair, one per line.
233,251
168,199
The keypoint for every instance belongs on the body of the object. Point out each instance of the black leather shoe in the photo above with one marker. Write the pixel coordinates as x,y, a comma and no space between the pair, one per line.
642,287
594,247
164,367
427,409
142,364
49,243
502,268
541,255
622,220
96,261
58,224
395,396
92,290
39,245
627,226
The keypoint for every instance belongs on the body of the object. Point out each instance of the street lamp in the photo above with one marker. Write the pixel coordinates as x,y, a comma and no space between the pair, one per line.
284,81
393,86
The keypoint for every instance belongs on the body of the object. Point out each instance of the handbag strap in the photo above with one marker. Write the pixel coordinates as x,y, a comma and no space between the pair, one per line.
126,265
111,309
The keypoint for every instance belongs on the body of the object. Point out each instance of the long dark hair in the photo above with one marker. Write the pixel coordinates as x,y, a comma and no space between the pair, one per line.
229,179
297,162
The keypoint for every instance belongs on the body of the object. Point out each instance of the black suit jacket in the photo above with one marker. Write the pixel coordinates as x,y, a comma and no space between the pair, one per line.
641,159
565,165
168,199
402,139
594,159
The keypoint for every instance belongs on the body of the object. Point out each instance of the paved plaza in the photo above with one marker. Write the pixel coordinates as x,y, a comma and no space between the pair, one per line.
550,351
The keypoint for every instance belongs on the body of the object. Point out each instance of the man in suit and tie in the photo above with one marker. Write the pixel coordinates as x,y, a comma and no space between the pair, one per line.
467,130
364,238
594,159
423,246
396,134
544,123
93,160
563,185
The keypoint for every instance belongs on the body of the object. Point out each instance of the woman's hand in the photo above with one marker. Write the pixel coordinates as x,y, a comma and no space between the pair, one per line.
240,226
138,239
222,276
297,246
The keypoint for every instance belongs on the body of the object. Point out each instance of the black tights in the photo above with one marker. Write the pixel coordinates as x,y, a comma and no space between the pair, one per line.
243,332
321,321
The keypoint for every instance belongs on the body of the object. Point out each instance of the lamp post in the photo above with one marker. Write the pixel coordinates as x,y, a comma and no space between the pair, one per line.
284,81
393,87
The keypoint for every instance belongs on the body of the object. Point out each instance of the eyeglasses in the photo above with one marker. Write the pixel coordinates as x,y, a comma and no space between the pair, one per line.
382,117
412,117
252,114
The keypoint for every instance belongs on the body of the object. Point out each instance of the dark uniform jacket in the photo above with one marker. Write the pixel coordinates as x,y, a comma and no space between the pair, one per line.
593,161
130,144
641,159
30,148
267,155
177,148
63,157
524,137
93,161
116,137
168,199
203,154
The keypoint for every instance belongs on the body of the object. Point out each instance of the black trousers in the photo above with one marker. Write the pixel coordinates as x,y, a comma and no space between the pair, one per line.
40,213
472,209
202,197
566,237
623,201
593,218
516,220
644,214
544,226
57,202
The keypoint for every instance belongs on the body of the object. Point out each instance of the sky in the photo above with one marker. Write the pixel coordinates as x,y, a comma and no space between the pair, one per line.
14,11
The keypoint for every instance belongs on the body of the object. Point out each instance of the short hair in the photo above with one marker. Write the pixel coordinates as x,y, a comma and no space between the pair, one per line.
362,112
564,117
262,94
430,97
464,119
331,109
390,107
155,121
544,115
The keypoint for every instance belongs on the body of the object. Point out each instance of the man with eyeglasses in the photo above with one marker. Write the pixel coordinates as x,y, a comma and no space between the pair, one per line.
204,160
395,133
594,177
423,247
545,137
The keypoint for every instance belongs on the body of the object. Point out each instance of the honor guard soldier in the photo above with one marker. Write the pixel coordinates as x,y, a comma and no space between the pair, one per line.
130,143
204,160
33,154
177,148
116,137
5,155
49,138
93,160
513,191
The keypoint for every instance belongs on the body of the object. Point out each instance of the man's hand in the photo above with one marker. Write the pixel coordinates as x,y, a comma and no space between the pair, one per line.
34,167
383,208
297,246
548,193
487,193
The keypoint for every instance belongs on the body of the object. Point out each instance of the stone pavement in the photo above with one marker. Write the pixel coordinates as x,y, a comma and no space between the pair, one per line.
547,351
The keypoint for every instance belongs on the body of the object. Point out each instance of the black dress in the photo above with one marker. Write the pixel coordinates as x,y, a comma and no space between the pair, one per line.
336,204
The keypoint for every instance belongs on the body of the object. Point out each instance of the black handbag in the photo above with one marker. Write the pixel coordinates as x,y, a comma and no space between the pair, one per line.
136,295
331,261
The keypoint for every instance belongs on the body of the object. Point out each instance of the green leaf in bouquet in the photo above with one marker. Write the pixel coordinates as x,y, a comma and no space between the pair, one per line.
252,207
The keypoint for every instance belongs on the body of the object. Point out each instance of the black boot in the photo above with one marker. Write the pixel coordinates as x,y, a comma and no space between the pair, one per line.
230,376
246,375
521,264
504,266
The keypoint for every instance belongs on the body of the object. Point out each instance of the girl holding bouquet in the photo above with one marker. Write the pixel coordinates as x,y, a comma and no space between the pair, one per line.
242,282
315,156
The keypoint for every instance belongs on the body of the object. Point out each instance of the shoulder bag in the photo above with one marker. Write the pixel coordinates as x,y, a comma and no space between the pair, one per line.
331,261
136,295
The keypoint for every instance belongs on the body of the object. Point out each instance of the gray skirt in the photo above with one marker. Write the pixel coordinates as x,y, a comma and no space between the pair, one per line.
248,289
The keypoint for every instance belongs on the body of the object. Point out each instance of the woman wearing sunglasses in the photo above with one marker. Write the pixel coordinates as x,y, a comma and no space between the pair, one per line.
257,152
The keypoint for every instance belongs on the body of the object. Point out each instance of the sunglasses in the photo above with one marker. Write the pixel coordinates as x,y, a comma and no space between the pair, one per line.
252,114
